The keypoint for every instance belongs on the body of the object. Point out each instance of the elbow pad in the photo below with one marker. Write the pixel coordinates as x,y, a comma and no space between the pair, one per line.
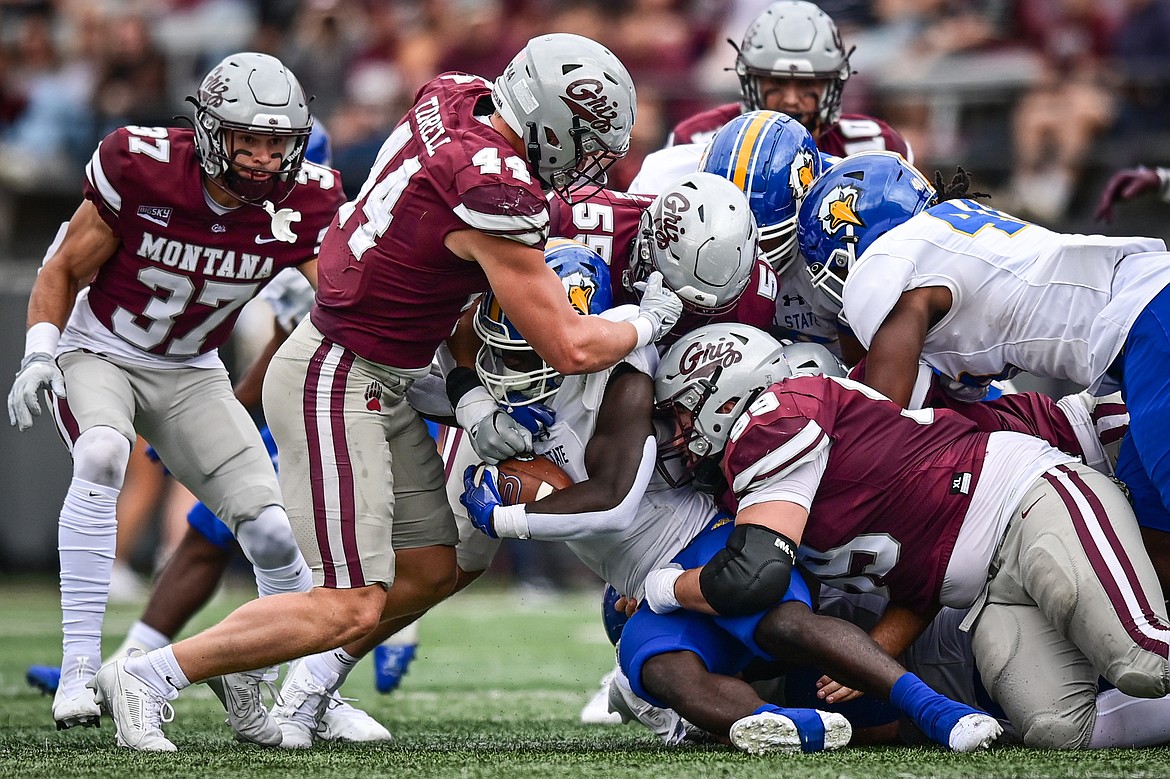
750,574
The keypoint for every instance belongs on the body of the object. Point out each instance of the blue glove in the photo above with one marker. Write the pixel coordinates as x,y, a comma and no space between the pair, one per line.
536,418
480,500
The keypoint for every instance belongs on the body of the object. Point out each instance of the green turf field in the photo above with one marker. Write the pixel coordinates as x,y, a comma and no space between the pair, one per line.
495,694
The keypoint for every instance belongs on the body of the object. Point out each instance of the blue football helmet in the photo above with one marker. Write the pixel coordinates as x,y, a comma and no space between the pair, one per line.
773,159
509,368
319,148
855,202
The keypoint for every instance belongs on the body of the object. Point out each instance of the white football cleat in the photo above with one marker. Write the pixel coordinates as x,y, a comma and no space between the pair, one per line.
767,732
664,723
137,710
300,706
973,733
249,720
346,723
81,709
597,711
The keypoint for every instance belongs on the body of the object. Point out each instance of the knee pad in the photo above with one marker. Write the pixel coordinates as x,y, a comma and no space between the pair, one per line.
750,574
267,540
100,455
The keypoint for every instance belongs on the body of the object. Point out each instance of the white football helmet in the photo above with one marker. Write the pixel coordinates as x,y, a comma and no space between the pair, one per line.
805,358
708,378
700,234
252,93
794,39
572,102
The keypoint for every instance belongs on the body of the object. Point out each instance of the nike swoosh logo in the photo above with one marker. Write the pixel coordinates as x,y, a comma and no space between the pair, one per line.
264,240
1024,513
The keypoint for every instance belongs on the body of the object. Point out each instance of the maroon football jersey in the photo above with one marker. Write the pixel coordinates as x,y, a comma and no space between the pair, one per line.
181,273
607,223
848,135
755,307
894,492
389,289
1031,413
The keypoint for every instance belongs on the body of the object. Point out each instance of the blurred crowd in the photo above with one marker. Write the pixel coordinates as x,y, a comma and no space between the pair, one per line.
1065,82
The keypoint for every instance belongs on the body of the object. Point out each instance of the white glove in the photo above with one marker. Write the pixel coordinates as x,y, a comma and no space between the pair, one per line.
36,370
659,585
660,307
494,435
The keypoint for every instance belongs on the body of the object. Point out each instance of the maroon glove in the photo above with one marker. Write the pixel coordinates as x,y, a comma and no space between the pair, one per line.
1126,185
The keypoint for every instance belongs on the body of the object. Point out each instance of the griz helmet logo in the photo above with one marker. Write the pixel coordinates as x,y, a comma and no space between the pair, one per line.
700,360
666,227
213,88
586,100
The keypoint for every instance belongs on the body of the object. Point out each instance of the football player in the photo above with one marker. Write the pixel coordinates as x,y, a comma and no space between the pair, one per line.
178,229
454,203
792,60
1081,308
1045,551
624,522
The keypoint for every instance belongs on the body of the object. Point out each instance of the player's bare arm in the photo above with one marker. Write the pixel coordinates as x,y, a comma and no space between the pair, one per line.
309,271
89,242
780,516
615,451
898,628
892,364
535,302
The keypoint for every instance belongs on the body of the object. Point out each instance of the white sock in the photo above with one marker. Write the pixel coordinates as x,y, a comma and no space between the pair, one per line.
405,637
294,577
330,668
160,670
141,636
1125,721
86,534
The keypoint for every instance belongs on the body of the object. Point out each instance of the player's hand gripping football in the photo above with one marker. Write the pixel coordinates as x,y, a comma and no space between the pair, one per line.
494,435
480,500
37,370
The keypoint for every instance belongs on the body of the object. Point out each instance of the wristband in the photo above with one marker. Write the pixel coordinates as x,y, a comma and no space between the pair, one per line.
510,521
645,329
660,595
42,338
460,381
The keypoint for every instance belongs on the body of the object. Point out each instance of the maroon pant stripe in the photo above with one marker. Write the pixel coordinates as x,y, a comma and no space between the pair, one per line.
345,482
316,470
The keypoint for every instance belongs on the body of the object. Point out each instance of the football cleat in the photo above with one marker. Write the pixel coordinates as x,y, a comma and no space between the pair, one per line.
45,678
80,709
137,710
791,731
974,732
346,723
300,706
596,711
664,723
391,664
249,720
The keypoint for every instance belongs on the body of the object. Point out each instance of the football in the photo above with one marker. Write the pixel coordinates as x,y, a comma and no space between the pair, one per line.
525,480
